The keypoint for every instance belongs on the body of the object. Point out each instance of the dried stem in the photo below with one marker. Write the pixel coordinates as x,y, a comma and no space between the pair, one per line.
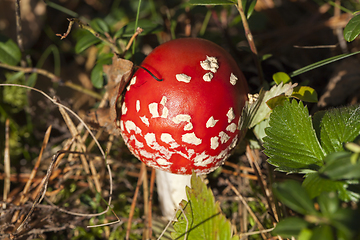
152,181
52,77
87,27
18,26
132,209
6,164
242,199
250,40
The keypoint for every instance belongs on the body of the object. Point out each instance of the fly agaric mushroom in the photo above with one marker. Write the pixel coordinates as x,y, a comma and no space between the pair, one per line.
181,111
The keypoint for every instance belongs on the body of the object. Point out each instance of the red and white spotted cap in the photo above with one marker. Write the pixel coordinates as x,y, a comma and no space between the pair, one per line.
189,121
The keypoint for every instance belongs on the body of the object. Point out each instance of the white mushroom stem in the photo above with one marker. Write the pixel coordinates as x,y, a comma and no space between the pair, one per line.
171,190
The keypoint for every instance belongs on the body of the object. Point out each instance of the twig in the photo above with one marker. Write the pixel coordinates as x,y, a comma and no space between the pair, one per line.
242,199
40,71
138,31
87,27
250,40
18,25
6,164
256,232
146,205
52,77
262,182
132,209
152,181
54,101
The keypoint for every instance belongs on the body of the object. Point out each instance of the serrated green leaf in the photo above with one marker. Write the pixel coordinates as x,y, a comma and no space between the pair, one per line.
203,215
352,29
294,196
263,110
290,227
85,41
291,142
339,126
305,93
281,77
315,185
212,2
99,25
9,51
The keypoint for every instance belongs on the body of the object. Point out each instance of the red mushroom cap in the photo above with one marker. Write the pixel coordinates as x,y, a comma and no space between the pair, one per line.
189,121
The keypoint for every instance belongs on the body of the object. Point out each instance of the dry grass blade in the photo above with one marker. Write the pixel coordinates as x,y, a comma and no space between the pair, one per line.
45,180
132,209
242,199
263,185
152,181
6,164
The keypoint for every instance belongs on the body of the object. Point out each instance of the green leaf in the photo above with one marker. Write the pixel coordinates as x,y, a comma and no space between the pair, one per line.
305,93
31,81
99,25
281,77
294,196
339,126
291,142
85,41
290,227
212,2
248,6
323,232
97,74
338,166
328,203
263,110
315,185
352,29
202,215
9,51
276,101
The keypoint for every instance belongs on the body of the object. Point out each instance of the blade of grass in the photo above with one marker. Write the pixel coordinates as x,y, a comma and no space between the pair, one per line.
136,25
321,63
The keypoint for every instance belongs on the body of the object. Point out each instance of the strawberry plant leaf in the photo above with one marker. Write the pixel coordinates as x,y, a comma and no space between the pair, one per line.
305,93
203,218
315,185
9,51
291,142
352,29
263,110
290,227
281,77
338,126
338,166
294,196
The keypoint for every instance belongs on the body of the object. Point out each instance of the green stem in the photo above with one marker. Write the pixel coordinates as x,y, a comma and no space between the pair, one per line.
136,26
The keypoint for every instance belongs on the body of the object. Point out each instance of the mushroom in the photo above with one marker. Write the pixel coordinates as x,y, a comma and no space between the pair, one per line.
181,113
